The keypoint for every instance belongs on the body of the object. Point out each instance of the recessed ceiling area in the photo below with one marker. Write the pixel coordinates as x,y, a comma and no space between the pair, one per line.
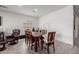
32,10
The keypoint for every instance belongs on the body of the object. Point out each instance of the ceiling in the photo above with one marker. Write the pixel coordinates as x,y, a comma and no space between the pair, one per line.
29,9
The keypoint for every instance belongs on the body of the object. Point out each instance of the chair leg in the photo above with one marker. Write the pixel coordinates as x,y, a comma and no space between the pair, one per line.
26,40
38,43
48,48
42,44
53,47
29,44
31,47
17,41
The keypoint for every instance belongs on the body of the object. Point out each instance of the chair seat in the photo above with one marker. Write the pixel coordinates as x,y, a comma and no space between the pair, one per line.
9,40
46,41
45,38
3,42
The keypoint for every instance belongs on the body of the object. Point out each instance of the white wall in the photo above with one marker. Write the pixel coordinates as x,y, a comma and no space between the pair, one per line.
11,21
60,21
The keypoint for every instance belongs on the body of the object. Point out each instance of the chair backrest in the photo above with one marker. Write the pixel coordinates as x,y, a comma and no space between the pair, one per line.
51,36
16,32
27,32
30,34
44,31
1,36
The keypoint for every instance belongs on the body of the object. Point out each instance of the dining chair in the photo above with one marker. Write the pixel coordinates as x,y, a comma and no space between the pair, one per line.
50,40
31,40
27,37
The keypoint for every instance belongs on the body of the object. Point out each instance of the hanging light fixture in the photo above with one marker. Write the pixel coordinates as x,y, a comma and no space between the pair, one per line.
20,5
35,10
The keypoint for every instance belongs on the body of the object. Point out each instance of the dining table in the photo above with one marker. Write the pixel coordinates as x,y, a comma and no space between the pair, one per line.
38,36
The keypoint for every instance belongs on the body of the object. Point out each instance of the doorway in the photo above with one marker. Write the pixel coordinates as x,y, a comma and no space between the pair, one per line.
76,25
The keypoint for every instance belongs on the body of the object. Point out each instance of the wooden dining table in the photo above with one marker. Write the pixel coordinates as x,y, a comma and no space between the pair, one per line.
38,36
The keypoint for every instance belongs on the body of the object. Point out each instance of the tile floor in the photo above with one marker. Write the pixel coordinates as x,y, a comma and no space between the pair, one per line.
22,48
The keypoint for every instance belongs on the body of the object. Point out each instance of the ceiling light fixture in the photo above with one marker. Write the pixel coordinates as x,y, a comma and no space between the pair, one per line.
35,10
20,5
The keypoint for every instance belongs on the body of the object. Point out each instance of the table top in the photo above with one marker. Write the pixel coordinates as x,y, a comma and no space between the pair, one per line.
37,34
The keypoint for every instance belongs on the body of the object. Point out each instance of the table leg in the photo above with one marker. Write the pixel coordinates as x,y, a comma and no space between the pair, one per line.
48,48
35,44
